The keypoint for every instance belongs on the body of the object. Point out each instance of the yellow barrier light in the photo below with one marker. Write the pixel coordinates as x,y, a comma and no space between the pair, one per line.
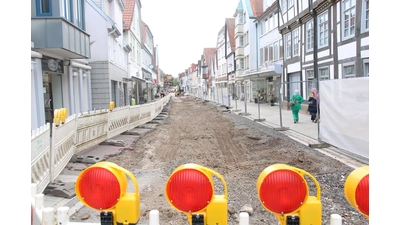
102,186
283,190
190,189
356,189
56,117
112,104
63,114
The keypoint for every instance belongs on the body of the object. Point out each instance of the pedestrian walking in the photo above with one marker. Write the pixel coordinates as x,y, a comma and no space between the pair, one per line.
312,105
296,107
316,96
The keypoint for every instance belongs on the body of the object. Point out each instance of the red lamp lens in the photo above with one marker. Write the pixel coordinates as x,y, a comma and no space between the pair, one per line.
362,195
99,188
189,190
283,191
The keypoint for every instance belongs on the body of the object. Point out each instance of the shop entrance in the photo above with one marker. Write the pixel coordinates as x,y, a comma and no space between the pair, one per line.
48,98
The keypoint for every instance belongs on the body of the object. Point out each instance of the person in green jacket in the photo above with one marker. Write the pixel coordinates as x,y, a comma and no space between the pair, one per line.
296,97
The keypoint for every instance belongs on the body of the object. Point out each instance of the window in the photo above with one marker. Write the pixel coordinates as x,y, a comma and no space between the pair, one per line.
349,71
280,49
240,63
283,5
276,51
241,41
323,74
273,19
66,11
271,52
365,16
262,57
310,36
262,27
323,30
295,43
349,18
133,52
290,4
79,14
43,8
311,80
240,18
288,45
366,67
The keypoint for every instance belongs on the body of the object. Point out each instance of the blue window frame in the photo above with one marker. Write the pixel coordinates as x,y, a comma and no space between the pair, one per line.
43,8
67,8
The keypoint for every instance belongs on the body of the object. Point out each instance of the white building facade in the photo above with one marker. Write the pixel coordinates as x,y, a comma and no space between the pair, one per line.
60,47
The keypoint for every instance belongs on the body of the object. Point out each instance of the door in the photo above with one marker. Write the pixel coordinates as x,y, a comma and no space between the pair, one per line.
294,84
48,98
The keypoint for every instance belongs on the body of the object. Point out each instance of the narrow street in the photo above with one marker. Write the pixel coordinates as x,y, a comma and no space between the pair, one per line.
238,149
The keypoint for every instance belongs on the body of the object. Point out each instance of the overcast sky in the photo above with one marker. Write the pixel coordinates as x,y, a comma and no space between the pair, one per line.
183,28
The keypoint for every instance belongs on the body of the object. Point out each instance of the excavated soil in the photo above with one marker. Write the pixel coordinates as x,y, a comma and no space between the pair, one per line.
236,148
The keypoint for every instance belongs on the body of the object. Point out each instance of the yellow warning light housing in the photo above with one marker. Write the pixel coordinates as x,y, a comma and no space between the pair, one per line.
283,190
63,114
56,117
103,187
190,189
356,189
112,104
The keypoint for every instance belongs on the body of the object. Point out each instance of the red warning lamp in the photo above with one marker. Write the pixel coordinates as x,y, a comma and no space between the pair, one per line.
356,189
190,189
103,186
283,190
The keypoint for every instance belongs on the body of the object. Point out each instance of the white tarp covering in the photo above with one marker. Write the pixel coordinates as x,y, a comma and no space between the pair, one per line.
344,106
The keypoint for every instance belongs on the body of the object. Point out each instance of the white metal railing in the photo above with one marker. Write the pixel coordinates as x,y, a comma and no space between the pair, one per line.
53,146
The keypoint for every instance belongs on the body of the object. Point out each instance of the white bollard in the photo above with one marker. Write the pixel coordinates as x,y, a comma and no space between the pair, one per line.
48,216
336,219
244,218
39,201
62,215
33,189
154,217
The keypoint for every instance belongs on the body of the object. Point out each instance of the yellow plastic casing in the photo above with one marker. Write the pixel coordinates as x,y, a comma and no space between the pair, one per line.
112,104
217,210
351,184
63,114
56,118
311,211
128,209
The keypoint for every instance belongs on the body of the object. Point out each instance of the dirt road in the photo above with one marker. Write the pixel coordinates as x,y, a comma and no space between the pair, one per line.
236,148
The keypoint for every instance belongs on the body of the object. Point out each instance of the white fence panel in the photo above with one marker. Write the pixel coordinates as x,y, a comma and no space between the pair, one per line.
63,145
118,121
345,114
91,129
134,116
40,157
145,113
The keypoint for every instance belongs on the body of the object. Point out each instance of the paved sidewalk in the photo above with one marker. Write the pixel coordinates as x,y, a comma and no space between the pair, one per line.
277,118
